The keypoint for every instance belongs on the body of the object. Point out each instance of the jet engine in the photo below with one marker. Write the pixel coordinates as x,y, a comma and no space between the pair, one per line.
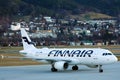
61,65
92,66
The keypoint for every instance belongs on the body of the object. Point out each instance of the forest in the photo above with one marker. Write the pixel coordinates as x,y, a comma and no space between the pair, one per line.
58,7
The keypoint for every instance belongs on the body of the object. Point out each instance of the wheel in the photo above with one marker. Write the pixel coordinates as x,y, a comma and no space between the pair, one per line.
53,70
75,67
101,70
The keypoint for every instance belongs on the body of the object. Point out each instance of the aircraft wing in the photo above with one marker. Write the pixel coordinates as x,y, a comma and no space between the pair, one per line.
14,57
49,60
55,60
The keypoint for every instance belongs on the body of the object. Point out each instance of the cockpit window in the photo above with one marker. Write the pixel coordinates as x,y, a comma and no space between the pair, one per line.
109,53
105,54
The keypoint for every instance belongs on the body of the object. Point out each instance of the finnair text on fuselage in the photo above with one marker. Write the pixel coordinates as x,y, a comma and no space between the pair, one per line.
71,53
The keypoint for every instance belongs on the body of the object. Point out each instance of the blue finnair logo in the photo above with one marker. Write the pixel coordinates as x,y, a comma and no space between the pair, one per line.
26,40
71,53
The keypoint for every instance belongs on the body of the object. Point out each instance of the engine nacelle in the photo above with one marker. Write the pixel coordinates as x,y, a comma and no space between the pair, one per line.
61,65
92,66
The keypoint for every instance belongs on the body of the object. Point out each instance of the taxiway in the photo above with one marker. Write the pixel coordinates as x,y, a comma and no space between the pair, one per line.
42,72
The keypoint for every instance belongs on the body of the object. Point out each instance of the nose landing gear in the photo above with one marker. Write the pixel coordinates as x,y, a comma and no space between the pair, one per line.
100,69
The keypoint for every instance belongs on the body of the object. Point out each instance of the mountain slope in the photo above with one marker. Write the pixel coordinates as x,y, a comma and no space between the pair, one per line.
110,7
58,7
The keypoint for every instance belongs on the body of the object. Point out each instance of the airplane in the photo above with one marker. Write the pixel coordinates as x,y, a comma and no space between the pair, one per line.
62,58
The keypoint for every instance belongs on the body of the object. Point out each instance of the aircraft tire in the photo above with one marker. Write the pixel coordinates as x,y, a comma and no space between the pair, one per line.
54,70
101,70
75,67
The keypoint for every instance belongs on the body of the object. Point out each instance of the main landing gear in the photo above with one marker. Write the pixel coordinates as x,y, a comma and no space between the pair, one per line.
75,67
53,69
100,69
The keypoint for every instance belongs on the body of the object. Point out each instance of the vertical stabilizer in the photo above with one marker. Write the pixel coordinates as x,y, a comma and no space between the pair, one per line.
27,44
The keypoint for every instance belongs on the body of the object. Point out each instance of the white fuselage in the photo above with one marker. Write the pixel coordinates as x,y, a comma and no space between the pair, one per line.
91,56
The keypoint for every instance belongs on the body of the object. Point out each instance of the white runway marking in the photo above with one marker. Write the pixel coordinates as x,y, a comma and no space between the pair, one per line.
42,72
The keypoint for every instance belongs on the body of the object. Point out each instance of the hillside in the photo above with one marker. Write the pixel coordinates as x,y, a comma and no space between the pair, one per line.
110,7
91,15
58,7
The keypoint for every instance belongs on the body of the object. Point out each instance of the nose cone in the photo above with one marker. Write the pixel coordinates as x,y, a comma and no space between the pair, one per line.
115,59
112,59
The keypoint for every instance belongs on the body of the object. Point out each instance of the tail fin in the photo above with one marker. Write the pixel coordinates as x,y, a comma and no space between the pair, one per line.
27,44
